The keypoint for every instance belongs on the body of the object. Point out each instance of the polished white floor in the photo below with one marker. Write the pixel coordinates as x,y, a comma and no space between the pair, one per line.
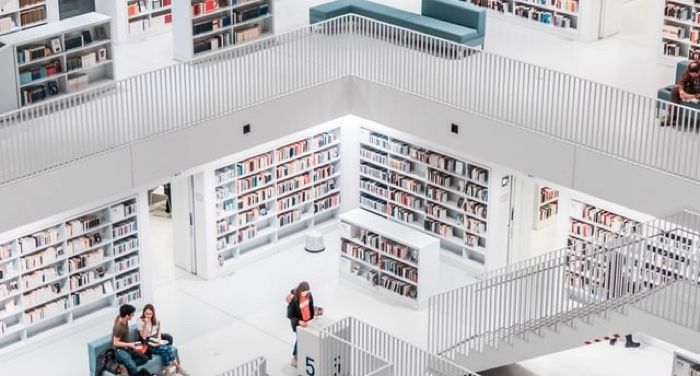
218,324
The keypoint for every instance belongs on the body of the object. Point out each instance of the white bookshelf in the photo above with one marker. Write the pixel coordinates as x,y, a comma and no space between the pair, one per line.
680,29
547,204
428,190
271,196
132,19
18,15
388,258
574,19
55,59
204,26
70,271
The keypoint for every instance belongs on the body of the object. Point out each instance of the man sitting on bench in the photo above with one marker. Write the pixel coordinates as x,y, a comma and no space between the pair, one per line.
686,91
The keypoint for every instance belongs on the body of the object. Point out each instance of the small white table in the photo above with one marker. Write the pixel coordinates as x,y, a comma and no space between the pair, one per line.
309,345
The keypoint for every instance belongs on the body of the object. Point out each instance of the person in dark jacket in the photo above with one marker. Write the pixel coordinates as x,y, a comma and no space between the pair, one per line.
300,311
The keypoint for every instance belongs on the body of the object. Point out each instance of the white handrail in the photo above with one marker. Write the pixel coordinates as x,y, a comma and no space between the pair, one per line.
590,279
255,367
570,109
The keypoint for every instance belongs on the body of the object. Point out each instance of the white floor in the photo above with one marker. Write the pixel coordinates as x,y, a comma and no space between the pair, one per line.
221,323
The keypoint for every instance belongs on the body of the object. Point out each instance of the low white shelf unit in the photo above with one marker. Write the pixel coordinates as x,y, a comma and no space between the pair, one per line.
70,271
54,59
388,258
16,15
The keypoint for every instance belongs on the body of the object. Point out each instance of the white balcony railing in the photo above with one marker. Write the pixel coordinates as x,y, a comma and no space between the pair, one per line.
579,282
567,108
255,367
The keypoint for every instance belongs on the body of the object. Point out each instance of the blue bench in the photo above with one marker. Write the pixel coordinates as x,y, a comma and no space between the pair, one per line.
665,92
154,365
454,20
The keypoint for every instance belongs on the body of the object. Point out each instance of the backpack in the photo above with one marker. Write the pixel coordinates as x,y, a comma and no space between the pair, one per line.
107,361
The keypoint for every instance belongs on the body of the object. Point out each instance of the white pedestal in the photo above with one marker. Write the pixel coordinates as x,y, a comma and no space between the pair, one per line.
309,346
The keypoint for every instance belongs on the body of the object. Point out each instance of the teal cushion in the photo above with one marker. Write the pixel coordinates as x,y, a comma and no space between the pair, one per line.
329,10
456,12
442,29
680,68
382,13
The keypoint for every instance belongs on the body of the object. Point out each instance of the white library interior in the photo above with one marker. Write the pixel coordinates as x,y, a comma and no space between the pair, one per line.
214,231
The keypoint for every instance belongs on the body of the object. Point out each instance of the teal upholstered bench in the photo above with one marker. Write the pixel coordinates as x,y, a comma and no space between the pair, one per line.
154,365
454,20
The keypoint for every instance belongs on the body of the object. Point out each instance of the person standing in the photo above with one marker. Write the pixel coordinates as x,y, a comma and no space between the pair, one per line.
300,311
127,353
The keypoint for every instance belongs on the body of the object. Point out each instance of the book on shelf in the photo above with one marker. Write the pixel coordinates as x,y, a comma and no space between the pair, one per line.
325,188
46,311
289,217
293,200
326,155
323,139
33,16
253,164
247,34
327,203
374,188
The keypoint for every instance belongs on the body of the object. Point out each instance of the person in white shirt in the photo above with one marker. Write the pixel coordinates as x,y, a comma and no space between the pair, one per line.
150,332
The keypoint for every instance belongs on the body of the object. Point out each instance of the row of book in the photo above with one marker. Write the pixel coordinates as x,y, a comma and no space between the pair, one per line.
472,207
226,241
401,164
405,199
141,25
84,242
251,13
39,259
369,275
294,167
475,225
38,93
373,203
401,214
477,192
439,228
126,280
225,208
497,5
41,276
361,253
548,194
51,68
373,156
398,268
543,16
442,162
223,192
39,239
443,180
547,211
294,183
33,16
122,210
436,210
405,182
126,245
292,150
324,172
254,181
128,296
7,24
399,287
398,250
327,203
474,241
86,260
255,198
9,288
615,221
247,34
323,139
126,263
223,226
369,238
253,164
77,82
374,188
42,295
49,310
325,188
378,140
5,251
207,6
81,279
82,224
326,155
212,43
247,233
251,215
370,170
294,199
92,294
124,228
289,217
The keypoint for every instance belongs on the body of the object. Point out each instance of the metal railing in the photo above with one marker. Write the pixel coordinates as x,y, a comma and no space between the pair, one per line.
587,279
567,108
255,367
355,346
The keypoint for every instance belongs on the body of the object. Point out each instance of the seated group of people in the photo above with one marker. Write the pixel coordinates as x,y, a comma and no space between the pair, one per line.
152,341
686,91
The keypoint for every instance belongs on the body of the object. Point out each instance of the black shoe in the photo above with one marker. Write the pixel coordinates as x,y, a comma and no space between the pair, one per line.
613,341
629,342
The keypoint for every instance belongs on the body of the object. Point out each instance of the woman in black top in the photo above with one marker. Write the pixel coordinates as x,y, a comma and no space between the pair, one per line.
300,311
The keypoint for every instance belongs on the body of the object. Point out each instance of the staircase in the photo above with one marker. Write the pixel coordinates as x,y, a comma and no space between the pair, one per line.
646,279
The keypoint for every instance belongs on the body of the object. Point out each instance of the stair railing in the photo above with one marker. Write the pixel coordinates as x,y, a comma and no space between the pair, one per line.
587,279
255,367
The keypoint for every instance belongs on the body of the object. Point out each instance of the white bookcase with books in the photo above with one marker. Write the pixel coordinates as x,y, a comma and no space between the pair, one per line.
388,258
55,59
428,190
16,15
134,18
547,205
203,26
680,29
575,19
269,197
70,271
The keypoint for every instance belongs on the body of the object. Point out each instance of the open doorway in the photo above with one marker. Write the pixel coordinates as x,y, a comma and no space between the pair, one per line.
171,225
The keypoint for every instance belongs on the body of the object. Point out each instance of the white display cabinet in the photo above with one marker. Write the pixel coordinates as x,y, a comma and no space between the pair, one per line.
389,258
55,59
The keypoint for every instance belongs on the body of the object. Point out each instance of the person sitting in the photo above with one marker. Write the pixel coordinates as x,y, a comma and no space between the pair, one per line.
150,332
127,353
686,91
